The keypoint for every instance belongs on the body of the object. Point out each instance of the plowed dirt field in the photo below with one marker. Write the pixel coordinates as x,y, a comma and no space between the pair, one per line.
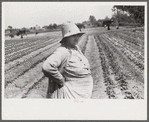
116,58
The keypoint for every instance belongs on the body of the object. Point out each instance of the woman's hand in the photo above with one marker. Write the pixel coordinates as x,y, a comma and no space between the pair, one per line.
62,82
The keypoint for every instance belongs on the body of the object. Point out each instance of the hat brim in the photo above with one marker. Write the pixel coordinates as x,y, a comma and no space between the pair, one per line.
79,34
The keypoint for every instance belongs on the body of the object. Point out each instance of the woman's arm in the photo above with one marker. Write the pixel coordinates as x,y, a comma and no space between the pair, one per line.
51,65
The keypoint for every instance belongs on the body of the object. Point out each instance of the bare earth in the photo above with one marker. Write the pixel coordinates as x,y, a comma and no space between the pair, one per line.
92,54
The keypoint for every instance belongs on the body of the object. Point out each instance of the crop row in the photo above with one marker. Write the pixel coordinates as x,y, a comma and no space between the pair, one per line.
132,54
112,60
122,71
136,35
119,74
137,50
21,60
19,70
18,42
128,38
136,39
25,82
106,74
26,51
27,46
23,45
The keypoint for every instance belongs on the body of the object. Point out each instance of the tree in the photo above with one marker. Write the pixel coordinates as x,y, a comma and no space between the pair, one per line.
135,12
45,27
50,26
116,19
92,19
11,35
9,27
107,18
55,26
124,19
80,26
98,23
21,32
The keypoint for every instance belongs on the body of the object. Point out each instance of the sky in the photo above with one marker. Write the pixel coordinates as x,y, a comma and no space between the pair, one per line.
30,14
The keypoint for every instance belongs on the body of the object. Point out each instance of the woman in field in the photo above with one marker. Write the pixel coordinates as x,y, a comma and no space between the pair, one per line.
68,69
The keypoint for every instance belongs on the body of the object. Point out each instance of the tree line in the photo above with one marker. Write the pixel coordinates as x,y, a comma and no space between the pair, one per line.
128,15
122,16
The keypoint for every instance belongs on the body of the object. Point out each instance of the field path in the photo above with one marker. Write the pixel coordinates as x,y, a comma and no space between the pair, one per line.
92,54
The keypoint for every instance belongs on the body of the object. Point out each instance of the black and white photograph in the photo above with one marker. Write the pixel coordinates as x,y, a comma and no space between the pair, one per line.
76,54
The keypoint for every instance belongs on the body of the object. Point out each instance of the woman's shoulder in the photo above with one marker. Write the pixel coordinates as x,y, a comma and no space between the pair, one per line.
61,49
62,52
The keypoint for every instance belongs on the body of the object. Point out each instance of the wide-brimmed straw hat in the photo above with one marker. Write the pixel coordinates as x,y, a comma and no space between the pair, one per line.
69,29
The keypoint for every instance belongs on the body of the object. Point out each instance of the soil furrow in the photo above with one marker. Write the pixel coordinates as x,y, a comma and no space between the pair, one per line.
21,69
38,91
107,72
22,59
92,54
130,66
24,45
127,43
129,73
22,52
25,82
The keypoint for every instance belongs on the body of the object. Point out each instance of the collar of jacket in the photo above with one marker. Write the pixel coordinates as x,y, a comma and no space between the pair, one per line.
74,48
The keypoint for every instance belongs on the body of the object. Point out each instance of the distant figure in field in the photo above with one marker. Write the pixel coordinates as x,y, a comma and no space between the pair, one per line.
36,33
107,23
21,36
